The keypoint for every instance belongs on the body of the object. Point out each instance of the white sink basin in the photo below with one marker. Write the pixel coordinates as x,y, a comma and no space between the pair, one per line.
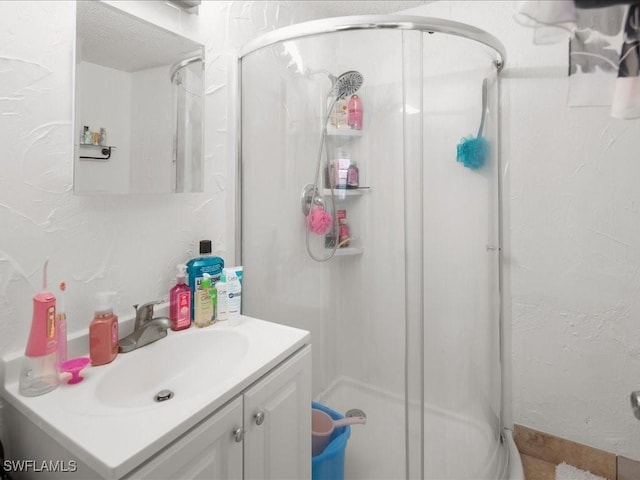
204,368
177,363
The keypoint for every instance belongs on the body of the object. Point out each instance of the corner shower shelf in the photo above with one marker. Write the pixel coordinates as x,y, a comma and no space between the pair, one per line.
344,132
347,251
346,192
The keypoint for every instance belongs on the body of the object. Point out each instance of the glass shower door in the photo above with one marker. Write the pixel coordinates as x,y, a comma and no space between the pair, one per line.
354,303
460,264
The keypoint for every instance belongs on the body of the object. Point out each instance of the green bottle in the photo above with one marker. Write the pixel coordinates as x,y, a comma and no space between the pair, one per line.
203,303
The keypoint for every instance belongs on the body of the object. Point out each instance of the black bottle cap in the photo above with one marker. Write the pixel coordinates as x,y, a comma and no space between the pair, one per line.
205,246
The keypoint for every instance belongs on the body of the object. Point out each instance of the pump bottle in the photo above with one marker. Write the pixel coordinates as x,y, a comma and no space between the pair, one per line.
103,331
203,303
180,301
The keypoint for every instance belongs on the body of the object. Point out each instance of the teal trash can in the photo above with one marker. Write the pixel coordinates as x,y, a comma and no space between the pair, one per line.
329,465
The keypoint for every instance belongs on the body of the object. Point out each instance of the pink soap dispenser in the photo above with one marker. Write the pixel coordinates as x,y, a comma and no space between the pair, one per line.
180,301
103,331
39,372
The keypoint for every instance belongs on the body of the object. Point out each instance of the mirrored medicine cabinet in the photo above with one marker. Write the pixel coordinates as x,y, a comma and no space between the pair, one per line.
139,106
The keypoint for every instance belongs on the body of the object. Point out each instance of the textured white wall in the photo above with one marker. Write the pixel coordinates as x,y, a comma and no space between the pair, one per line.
97,243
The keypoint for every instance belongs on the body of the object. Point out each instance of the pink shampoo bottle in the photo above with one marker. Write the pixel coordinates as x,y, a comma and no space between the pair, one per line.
354,116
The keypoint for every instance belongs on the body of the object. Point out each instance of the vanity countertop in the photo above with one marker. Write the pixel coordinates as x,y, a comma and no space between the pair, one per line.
113,431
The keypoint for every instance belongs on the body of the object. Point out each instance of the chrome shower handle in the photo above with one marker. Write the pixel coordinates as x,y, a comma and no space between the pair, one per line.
635,403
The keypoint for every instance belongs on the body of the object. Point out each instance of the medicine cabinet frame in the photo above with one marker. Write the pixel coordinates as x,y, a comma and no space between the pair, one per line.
139,91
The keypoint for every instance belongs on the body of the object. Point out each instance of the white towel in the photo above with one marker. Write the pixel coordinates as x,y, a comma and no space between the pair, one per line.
567,472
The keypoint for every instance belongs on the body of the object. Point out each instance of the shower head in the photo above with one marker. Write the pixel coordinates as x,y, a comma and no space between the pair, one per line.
347,84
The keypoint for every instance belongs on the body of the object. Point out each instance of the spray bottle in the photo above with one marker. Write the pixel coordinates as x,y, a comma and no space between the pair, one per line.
39,372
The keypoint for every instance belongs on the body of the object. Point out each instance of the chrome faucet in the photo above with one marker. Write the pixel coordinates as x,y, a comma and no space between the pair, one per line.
146,330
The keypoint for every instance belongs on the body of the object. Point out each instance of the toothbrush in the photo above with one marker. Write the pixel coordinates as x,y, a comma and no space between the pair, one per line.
61,325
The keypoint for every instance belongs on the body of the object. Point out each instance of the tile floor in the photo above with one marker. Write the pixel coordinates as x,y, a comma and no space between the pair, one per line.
541,452
536,469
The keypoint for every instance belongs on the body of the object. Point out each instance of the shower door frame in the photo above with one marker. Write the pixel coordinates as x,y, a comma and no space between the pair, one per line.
372,22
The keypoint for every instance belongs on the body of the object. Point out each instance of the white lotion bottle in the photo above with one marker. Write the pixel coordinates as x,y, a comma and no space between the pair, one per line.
221,309
234,293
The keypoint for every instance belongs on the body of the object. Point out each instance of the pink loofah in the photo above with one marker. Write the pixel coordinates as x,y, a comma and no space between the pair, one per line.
319,221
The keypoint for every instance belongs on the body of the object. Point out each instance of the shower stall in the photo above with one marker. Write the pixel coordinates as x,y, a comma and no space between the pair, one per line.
405,315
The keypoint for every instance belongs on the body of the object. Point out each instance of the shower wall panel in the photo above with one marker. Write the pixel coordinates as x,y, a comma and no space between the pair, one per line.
354,305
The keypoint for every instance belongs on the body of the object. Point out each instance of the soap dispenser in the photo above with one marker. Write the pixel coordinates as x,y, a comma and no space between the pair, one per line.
180,301
103,331
39,372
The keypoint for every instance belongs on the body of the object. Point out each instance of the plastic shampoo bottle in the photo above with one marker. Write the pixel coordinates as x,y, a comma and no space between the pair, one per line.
203,303
103,331
180,301
234,292
221,307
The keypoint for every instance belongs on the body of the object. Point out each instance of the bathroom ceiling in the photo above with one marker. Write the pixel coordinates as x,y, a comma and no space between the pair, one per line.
338,8
114,39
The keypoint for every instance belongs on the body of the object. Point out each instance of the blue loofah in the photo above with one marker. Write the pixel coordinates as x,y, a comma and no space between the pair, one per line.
473,152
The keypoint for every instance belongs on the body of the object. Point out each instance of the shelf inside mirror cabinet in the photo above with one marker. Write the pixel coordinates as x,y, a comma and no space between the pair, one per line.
105,150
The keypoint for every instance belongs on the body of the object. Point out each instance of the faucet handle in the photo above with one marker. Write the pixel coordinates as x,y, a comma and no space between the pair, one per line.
144,312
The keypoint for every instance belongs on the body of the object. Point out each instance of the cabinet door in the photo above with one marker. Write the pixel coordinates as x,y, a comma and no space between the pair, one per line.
210,451
277,421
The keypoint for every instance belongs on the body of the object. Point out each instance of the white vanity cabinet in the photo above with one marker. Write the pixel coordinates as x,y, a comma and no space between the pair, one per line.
277,423
263,433
208,451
